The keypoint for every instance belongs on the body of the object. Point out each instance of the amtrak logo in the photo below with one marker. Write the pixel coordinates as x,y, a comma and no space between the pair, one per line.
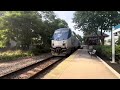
59,35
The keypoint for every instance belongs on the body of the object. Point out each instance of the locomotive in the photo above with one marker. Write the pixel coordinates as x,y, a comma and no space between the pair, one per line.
63,42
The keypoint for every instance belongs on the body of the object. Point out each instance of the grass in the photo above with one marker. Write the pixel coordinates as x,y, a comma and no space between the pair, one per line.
12,55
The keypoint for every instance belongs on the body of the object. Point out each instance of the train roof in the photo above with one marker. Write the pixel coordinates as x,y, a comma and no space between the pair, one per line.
63,29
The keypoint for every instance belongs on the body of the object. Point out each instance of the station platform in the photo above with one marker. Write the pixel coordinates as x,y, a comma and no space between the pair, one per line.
80,65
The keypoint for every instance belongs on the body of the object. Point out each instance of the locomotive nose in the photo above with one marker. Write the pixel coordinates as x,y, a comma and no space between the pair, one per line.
64,43
58,50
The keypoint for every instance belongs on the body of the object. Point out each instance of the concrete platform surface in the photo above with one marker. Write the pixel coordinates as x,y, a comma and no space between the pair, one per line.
80,65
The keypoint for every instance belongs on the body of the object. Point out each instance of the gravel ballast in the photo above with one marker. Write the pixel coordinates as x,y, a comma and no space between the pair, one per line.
7,67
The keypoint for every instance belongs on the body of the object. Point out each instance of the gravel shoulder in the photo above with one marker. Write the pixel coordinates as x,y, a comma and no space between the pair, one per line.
6,67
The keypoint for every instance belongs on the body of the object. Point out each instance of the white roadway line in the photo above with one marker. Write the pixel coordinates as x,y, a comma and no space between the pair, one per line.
110,68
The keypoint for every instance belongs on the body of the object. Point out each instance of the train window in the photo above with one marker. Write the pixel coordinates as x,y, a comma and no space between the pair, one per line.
73,33
65,31
69,34
62,35
57,31
59,35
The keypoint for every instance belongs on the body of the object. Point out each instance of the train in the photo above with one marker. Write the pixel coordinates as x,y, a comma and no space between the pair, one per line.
64,42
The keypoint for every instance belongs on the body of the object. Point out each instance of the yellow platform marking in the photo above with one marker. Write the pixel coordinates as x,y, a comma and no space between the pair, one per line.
55,74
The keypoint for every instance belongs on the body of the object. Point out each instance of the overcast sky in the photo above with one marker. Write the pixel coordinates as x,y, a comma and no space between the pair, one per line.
67,16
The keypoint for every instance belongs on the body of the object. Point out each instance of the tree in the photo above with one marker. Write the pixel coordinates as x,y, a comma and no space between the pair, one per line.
48,15
92,21
80,38
3,38
22,26
109,40
2,13
30,27
51,23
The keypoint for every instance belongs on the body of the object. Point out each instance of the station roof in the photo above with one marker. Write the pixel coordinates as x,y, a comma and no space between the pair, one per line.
95,35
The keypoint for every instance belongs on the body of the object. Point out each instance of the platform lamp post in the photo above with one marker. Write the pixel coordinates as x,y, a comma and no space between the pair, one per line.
116,29
113,47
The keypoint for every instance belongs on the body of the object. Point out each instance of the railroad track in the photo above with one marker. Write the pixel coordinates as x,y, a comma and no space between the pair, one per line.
31,71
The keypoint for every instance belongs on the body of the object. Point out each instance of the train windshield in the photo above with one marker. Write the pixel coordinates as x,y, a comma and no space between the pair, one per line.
61,34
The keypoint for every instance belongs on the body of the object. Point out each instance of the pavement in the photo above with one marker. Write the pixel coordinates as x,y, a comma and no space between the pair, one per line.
80,65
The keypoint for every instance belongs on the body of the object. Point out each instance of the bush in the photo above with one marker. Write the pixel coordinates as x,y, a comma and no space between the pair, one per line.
11,55
117,52
39,50
106,51
14,54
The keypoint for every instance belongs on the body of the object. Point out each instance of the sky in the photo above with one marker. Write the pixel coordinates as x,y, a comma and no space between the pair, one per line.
67,16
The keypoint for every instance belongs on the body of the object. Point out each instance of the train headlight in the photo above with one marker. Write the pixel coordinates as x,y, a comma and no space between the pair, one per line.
63,44
53,44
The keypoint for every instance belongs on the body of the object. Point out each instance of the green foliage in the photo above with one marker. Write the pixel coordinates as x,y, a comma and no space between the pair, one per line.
92,21
106,51
29,28
3,38
117,51
22,25
2,13
48,15
39,49
80,38
118,41
12,55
